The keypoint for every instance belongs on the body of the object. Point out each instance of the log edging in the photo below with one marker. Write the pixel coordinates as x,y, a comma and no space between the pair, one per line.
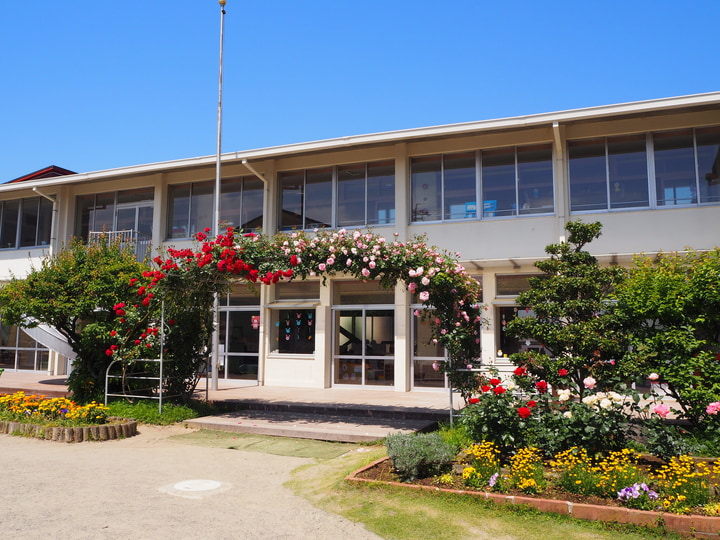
115,428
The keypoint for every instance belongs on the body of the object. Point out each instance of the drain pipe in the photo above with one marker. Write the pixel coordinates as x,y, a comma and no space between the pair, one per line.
254,171
53,221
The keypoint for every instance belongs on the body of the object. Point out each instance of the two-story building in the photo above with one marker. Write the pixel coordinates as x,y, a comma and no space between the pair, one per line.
496,191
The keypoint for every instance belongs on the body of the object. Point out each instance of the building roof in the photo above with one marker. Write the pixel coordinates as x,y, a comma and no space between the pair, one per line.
48,172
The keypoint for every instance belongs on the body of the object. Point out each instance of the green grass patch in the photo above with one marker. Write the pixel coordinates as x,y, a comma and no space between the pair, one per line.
146,412
397,513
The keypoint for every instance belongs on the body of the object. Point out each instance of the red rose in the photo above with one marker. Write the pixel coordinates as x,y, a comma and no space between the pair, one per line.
473,400
113,333
524,412
108,352
485,388
499,390
541,386
531,403
520,371
494,382
562,372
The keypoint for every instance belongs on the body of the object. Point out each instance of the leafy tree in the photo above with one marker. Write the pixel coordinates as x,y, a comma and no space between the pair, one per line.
573,317
74,291
672,302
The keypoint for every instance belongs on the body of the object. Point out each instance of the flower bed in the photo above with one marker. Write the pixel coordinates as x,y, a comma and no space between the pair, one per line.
699,526
60,419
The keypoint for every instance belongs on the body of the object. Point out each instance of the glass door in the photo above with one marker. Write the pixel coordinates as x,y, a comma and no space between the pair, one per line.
364,347
239,344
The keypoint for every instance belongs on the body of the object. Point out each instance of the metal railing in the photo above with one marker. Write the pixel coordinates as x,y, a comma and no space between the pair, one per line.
139,242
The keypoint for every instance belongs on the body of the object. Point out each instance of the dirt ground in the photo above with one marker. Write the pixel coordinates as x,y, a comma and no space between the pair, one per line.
153,486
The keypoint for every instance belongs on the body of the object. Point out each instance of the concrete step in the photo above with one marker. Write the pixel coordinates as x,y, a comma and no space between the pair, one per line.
325,427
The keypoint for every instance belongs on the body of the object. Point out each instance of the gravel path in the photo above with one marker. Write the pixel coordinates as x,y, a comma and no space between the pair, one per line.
142,488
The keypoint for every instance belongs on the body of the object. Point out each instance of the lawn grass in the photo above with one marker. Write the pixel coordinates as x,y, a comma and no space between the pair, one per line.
409,514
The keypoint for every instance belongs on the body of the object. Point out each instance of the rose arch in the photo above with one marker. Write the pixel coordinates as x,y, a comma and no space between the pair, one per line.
449,295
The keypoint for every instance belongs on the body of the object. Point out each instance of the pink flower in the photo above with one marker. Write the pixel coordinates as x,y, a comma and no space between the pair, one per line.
412,287
653,377
589,383
365,272
321,267
424,296
661,410
713,408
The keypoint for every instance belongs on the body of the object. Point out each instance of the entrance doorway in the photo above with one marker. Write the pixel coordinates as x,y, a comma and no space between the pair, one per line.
239,343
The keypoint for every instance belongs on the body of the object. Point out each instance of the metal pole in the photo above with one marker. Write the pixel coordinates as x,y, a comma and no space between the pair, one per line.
216,221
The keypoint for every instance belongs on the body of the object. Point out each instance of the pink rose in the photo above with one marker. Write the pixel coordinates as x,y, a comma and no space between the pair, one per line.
365,272
661,410
424,296
653,377
589,383
713,408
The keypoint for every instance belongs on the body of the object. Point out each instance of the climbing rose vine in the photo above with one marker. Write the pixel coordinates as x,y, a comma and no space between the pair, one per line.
449,295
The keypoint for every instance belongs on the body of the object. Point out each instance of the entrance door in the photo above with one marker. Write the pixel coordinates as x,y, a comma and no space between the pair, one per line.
364,347
239,344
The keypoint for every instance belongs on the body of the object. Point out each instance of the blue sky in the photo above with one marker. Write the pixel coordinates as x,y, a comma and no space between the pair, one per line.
98,85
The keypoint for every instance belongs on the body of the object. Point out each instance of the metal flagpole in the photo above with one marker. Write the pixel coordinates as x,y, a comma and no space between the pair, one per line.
216,220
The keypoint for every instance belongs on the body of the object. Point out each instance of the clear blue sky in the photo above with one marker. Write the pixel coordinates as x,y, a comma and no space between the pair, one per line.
97,85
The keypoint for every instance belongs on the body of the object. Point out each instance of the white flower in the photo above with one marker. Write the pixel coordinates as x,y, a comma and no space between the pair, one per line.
617,398
564,395
605,403
567,414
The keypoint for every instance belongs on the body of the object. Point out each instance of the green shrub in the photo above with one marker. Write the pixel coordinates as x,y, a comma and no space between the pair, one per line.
419,455
456,435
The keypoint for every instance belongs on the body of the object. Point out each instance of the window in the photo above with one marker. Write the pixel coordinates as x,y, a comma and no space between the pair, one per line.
513,284
608,173
25,222
512,181
191,209
241,204
293,316
344,196
616,172
366,194
19,351
686,166
129,210
427,354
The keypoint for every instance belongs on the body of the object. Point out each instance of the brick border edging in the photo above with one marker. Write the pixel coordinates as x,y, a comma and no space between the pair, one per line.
117,428
691,525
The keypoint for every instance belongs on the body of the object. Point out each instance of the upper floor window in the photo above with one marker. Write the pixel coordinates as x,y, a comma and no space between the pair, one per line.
343,196
687,164
129,210
190,209
241,204
509,182
25,222
650,170
608,173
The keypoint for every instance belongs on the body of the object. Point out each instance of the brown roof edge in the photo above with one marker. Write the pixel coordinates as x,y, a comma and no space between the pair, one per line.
48,172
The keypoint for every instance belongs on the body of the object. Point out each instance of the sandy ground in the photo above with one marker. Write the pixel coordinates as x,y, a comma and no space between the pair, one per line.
146,487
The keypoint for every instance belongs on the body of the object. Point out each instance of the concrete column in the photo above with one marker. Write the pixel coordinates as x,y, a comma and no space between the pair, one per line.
403,339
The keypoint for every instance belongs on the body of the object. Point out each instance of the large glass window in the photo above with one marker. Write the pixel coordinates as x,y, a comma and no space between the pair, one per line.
513,181
608,173
613,172
708,157
18,351
427,356
129,210
366,194
191,209
241,204
686,166
25,222
344,196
